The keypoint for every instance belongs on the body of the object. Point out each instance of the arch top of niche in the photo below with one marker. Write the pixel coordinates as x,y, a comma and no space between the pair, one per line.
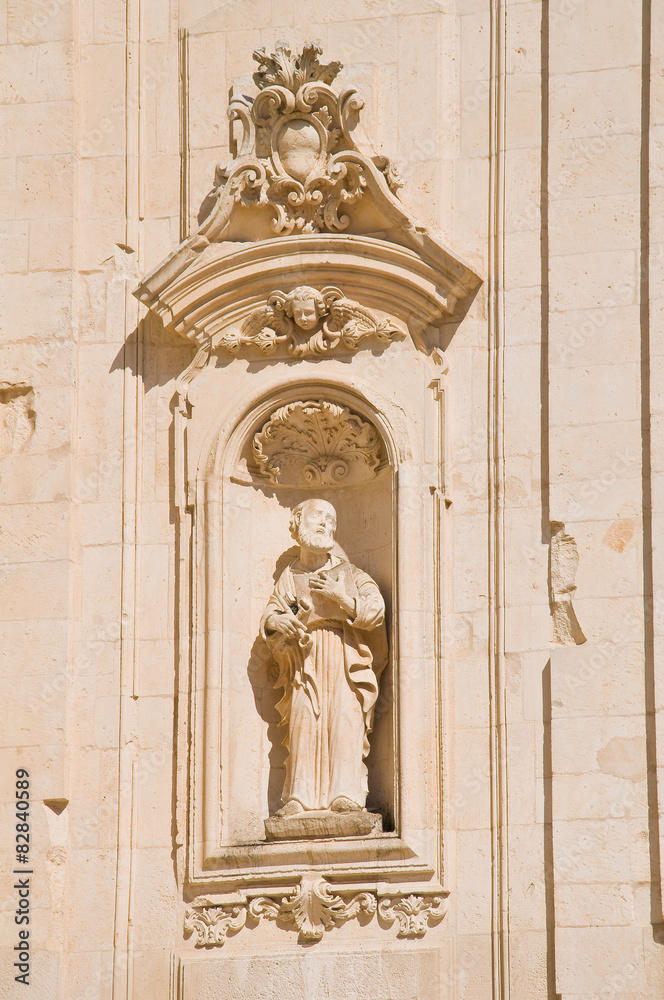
235,424
221,284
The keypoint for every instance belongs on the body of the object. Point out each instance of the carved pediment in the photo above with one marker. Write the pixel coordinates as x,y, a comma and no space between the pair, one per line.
301,204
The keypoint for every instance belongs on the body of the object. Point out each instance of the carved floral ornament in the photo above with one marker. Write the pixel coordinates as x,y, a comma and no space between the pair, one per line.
316,443
311,909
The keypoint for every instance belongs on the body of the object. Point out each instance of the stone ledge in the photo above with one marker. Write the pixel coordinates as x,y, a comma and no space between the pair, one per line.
323,823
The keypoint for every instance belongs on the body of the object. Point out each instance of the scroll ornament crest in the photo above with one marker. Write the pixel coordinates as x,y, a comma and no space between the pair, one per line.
316,443
300,172
296,154
307,322
312,909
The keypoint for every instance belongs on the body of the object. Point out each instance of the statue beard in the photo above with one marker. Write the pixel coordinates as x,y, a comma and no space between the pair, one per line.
316,540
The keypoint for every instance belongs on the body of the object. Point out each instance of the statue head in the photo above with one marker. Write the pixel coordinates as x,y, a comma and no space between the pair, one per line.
305,305
313,523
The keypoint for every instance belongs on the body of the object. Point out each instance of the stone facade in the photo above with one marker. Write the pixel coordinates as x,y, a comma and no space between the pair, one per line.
423,286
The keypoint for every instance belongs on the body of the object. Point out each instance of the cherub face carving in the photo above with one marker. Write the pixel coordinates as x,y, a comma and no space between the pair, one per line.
305,314
306,306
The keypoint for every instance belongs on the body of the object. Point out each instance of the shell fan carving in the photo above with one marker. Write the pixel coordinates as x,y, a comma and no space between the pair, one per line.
317,443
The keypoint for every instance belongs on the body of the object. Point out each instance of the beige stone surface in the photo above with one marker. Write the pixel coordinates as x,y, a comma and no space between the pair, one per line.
509,508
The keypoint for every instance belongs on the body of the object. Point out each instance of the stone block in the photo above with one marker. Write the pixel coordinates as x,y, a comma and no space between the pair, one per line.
373,975
323,824
51,245
42,586
377,36
109,21
92,877
50,299
592,680
103,103
14,246
524,25
32,21
527,889
595,165
46,127
582,42
580,397
595,223
594,905
608,957
592,851
102,186
34,73
603,102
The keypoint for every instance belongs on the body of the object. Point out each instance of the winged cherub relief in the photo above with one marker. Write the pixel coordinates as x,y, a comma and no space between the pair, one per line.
306,322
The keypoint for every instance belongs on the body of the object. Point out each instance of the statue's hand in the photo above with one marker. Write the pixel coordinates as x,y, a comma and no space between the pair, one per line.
334,591
287,624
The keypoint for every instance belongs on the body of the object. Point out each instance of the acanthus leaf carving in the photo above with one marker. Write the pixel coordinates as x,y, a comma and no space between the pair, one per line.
308,322
314,908
311,909
316,443
211,924
415,913
282,68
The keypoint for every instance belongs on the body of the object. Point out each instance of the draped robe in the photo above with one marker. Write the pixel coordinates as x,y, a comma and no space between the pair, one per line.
330,684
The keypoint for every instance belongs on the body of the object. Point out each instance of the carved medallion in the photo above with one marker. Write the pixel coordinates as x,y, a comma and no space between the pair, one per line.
312,171
306,322
317,443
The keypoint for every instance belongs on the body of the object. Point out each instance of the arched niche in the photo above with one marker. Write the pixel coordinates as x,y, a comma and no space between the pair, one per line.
389,297
240,534
255,547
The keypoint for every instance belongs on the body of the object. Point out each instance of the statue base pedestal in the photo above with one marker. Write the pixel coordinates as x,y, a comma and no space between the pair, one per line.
323,823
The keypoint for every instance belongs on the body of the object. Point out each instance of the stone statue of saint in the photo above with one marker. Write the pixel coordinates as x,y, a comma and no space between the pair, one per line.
325,627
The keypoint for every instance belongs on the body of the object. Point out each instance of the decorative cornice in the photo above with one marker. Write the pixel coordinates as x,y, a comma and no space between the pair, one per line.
219,288
311,909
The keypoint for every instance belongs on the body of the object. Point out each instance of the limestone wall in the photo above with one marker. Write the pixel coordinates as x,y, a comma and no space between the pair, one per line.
528,137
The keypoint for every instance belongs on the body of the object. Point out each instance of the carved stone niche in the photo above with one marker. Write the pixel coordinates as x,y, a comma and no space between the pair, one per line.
320,312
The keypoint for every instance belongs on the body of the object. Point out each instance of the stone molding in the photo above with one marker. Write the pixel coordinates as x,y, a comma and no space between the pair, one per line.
218,289
316,443
313,908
